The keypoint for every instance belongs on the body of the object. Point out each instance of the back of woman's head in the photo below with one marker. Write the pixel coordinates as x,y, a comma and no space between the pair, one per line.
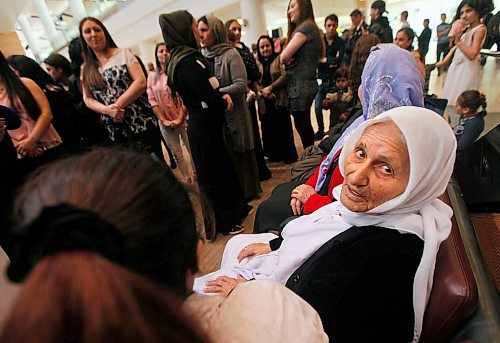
140,197
59,61
79,296
473,99
15,88
31,69
359,56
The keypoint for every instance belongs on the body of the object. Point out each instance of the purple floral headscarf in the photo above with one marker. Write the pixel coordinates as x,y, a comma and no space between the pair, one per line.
390,79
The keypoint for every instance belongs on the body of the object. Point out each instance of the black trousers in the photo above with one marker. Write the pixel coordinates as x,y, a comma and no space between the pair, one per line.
302,120
443,48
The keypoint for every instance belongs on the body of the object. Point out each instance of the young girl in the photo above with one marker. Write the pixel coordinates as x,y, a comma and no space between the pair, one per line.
471,123
464,72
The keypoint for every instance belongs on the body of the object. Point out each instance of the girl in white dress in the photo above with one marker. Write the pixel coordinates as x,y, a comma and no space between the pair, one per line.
464,72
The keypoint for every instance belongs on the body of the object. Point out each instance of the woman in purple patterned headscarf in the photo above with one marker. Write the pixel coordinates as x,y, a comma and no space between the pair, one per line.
390,79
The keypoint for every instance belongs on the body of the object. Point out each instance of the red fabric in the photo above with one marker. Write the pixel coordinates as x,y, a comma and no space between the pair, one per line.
317,201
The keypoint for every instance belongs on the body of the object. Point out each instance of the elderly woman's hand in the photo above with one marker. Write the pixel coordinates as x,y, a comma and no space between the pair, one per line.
302,193
296,206
254,249
223,285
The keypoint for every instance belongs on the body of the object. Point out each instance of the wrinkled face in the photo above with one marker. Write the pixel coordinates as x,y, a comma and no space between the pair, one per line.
265,47
293,11
377,170
56,73
94,35
469,14
236,29
162,54
341,82
402,40
196,33
207,39
330,27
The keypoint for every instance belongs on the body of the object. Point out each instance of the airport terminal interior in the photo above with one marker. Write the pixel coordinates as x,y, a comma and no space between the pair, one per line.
38,29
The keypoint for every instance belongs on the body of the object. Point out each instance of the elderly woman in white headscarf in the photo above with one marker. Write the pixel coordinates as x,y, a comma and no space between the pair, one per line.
381,238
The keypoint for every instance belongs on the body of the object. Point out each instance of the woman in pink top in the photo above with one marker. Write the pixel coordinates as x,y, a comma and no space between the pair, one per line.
36,139
170,111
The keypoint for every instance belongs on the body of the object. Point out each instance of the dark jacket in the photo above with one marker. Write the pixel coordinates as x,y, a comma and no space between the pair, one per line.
381,28
361,284
278,77
334,56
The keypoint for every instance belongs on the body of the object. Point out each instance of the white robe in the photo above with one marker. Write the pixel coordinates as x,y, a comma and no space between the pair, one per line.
302,237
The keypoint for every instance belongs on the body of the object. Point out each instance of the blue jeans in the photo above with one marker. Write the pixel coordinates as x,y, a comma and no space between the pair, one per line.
318,103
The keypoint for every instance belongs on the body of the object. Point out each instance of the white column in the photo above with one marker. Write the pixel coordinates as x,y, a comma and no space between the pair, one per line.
147,52
77,9
45,18
28,33
252,11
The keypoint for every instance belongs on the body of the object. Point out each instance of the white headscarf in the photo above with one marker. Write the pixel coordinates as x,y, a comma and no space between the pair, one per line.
431,148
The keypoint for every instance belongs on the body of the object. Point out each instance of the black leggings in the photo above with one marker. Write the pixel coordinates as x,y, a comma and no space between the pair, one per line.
302,121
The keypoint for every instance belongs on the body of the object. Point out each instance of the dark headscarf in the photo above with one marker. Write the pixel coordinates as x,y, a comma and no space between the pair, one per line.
219,35
266,63
177,31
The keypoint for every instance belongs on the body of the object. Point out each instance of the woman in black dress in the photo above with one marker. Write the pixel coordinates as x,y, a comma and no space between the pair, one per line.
190,76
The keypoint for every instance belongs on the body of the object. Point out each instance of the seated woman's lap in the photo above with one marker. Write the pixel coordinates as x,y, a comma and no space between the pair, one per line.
230,266
276,208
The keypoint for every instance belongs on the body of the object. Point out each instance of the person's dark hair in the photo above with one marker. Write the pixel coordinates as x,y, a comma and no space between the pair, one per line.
359,56
59,61
203,19
90,72
15,87
355,13
140,197
482,7
333,17
405,14
75,54
157,61
306,13
273,53
229,22
408,33
473,99
94,300
443,14
31,69
342,72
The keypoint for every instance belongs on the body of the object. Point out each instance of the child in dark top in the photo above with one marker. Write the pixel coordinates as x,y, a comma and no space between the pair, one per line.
339,97
471,123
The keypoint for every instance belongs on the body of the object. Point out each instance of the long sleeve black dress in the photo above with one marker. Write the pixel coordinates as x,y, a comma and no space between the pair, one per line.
216,175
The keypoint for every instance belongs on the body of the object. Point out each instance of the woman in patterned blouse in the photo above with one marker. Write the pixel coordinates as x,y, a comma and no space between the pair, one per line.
114,86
